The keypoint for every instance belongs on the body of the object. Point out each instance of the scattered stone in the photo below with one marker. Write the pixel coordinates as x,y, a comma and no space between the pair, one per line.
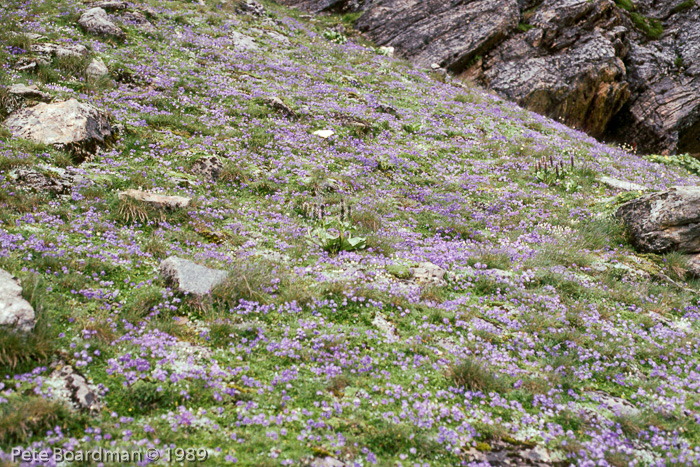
386,327
109,5
502,453
15,311
70,125
621,184
63,50
325,134
251,7
139,20
242,43
327,462
28,92
209,167
97,69
156,200
72,387
429,273
191,278
277,103
95,21
35,180
664,221
387,109
616,405
694,266
388,51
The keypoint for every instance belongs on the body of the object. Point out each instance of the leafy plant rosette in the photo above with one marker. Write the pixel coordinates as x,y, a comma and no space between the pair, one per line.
334,235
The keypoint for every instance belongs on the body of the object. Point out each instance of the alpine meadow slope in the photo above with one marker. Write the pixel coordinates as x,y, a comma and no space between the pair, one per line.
229,228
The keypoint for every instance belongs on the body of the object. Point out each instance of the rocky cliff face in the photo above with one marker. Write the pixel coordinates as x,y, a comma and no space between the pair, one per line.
622,71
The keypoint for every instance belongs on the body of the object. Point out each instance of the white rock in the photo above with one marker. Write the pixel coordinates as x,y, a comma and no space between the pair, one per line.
621,184
156,200
96,21
325,134
15,311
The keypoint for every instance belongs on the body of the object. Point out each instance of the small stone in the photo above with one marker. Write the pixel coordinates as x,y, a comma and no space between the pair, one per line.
96,21
209,167
28,92
242,43
191,278
251,7
435,66
325,134
139,20
621,184
15,311
387,109
616,405
277,103
327,462
694,266
386,327
109,5
156,200
72,387
429,273
388,51
35,180
97,69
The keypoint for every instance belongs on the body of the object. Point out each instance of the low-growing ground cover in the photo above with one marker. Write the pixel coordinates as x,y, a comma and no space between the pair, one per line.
319,345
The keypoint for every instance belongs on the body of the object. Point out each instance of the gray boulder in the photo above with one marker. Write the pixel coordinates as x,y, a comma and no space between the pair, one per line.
15,311
97,69
665,221
71,125
95,21
110,5
277,104
191,278
694,266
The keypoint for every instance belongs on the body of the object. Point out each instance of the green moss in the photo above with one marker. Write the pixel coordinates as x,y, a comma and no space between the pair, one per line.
683,6
524,27
650,26
626,4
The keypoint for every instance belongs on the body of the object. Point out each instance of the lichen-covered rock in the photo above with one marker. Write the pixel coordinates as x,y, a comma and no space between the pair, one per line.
278,104
95,21
110,5
694,266
71,125
429,273
621,184
15,311
156,200
665,221
70,386
209,167
191,278
62,50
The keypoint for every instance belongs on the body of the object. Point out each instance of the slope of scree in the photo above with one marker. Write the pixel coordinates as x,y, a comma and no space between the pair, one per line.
365,265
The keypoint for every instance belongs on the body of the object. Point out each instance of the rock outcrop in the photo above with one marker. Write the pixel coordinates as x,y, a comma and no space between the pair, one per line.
72,387
191,278
15,311
624,76
70,125
665,221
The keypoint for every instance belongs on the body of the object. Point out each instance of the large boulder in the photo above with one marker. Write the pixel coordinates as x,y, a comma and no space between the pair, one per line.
665,221
95,21
15,311
71,125
191,278
156,200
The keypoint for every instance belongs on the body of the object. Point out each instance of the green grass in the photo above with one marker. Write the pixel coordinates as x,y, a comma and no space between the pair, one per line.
683,6
650,26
